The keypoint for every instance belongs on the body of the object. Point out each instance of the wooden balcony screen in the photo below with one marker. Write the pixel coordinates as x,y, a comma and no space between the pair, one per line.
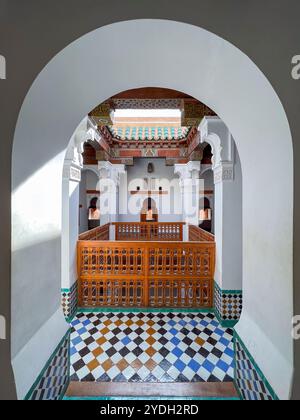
147,231
100,233
197,234
146,274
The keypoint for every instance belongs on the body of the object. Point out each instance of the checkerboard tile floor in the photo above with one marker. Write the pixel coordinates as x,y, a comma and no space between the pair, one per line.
150,347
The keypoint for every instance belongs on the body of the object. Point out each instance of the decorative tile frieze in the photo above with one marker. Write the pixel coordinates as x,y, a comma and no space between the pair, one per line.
228,304
53,381
69,299
249,379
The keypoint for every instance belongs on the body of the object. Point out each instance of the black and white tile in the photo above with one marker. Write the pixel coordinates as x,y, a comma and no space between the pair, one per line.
150,347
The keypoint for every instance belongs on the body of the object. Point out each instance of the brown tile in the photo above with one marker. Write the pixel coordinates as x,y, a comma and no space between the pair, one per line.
199,341
150,331
136,364
129,322
101,340
150,364
122,364
151,351
107,365
150,323
97,351
104,331
140,322
107,322
150,340
118,322
93,364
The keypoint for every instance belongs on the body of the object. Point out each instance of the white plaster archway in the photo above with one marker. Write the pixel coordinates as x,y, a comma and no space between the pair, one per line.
208,68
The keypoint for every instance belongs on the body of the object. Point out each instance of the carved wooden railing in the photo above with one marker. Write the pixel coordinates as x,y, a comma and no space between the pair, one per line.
197,234
147,231
100,233
146,274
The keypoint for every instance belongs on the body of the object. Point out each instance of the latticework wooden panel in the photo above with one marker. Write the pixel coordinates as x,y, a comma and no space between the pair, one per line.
184,260
110,259
197,234
100,233
143,274
112,292
147,231
180,293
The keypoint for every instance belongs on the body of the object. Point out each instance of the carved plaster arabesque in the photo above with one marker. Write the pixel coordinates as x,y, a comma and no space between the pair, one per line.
224,172
222,148
73,163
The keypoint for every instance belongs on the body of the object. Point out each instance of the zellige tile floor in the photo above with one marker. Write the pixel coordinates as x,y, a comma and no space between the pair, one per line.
150,347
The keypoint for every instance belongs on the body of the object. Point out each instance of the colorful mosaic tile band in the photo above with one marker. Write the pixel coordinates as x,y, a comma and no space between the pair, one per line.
149,133
54,379
150,347
228,305
69,301
250,381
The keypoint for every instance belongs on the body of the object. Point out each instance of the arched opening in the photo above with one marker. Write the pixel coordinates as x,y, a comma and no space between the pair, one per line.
149,211
240,96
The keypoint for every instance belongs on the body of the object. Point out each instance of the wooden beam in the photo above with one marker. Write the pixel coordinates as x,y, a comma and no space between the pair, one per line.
152,93
96,192
144,389
149,192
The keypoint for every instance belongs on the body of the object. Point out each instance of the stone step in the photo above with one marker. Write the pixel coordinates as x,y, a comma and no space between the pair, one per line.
144,389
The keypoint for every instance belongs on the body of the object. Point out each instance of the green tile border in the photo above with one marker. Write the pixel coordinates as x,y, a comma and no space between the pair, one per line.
228,291
257,368
36,382
225,323
146,310
151,398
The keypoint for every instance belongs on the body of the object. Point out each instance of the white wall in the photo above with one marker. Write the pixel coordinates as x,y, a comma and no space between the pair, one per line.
226,80
92,180
228,223
83,211
89,181
71,232
135,176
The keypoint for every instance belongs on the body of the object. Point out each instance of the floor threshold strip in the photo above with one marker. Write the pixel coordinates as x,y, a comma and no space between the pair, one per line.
209,390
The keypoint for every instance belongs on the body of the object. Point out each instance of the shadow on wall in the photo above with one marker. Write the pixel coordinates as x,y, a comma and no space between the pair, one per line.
35,301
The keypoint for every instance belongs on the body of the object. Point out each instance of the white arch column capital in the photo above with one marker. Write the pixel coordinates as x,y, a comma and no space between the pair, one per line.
108,170
189,185
190,170
110,178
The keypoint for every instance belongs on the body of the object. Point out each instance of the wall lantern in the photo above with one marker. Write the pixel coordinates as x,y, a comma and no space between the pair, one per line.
150,168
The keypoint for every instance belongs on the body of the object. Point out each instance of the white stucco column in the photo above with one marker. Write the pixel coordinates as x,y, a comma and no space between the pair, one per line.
228,202
189,186
228,224
109,191
70,205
